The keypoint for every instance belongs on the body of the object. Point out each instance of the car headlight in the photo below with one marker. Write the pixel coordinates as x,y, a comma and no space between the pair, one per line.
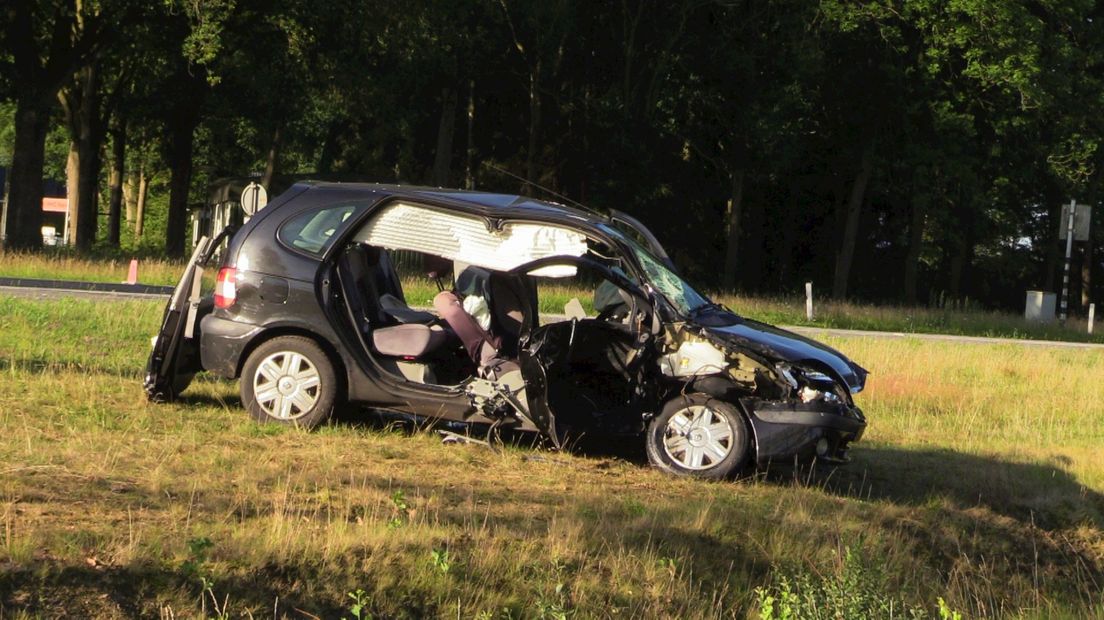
787,373
808,395
816,386
813,375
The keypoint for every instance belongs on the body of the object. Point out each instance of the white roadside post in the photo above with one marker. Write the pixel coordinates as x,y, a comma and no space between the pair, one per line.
1092,315
809,301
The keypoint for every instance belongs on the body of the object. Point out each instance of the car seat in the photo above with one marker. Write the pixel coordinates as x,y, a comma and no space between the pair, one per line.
372,290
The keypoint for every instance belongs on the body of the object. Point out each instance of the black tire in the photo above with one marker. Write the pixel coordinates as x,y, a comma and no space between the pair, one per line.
180,383
297,387
704,443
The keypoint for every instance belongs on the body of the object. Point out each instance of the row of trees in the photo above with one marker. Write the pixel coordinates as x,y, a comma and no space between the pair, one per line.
899,149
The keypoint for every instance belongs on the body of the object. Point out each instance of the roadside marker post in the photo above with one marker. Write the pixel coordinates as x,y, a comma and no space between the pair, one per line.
1074,226
1092,315
1065,268
132,273
809,301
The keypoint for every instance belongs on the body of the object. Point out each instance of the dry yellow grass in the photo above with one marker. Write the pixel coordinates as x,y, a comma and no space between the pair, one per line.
63,265
980,480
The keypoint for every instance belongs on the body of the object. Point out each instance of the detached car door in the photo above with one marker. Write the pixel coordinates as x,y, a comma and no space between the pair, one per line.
174,359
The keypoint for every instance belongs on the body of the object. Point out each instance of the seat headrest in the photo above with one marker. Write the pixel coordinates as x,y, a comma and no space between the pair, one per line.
474,281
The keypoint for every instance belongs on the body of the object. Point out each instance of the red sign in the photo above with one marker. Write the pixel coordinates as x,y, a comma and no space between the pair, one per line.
55,205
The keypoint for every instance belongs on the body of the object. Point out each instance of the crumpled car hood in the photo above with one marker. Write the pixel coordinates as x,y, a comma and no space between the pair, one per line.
786,346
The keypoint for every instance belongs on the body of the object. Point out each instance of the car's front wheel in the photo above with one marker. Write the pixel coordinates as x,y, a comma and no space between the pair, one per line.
697,435
289,380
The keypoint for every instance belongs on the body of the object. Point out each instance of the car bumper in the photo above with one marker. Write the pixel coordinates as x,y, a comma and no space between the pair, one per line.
222,343
785,431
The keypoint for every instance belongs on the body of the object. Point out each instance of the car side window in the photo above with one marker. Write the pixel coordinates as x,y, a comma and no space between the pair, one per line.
312,232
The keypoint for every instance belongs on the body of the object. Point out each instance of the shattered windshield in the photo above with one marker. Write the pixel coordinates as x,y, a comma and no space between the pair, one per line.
676,290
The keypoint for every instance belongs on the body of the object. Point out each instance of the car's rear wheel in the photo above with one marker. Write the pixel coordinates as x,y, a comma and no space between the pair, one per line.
289,380
697,435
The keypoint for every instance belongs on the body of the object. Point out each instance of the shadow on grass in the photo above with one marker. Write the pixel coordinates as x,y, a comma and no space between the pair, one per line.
1042,494
150,591
210,400
625,448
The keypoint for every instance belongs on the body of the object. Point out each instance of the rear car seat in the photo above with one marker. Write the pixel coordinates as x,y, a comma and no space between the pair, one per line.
374,290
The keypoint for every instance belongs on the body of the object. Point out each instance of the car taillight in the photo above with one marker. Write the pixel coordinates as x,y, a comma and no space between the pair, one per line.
226,289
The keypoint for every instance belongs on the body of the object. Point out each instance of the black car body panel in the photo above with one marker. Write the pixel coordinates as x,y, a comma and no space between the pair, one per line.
790,347
223,344
795,393
786,430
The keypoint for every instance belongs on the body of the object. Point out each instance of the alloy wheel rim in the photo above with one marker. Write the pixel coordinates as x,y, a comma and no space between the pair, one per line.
286,385
698,438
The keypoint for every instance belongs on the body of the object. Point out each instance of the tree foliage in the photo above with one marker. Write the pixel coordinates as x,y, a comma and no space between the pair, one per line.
900,149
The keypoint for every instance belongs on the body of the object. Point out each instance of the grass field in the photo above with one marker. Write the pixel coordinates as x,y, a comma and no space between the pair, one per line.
778,310
980,481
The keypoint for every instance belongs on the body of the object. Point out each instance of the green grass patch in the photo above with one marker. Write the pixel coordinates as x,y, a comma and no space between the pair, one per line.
980,482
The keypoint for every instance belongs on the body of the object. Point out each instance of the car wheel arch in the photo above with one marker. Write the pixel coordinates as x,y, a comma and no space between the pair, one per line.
683,401
340,368
728,391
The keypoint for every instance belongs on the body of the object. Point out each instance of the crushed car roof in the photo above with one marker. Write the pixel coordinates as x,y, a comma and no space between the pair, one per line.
507,204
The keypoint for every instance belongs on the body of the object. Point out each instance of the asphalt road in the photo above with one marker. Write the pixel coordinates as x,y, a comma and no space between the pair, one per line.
56,293
47,294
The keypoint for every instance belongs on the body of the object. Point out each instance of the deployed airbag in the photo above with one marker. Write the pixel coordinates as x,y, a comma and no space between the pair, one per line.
473,240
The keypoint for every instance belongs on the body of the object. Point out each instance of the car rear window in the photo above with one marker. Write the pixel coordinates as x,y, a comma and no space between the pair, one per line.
312,232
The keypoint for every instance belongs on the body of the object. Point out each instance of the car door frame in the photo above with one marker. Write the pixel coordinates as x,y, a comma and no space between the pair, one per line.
533,371
441,402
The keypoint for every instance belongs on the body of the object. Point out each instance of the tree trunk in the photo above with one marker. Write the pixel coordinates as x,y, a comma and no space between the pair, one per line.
181,119
534,129
1054,246
89,193
1086,271
469,173
128,197
23,219
329,147
733,211
72,191
912,256
180,181
446,129
851,225
118,165
140,206
786,237
82,111
271,160
960,261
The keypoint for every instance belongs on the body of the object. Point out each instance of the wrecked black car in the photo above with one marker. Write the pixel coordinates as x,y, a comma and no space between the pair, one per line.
310,312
